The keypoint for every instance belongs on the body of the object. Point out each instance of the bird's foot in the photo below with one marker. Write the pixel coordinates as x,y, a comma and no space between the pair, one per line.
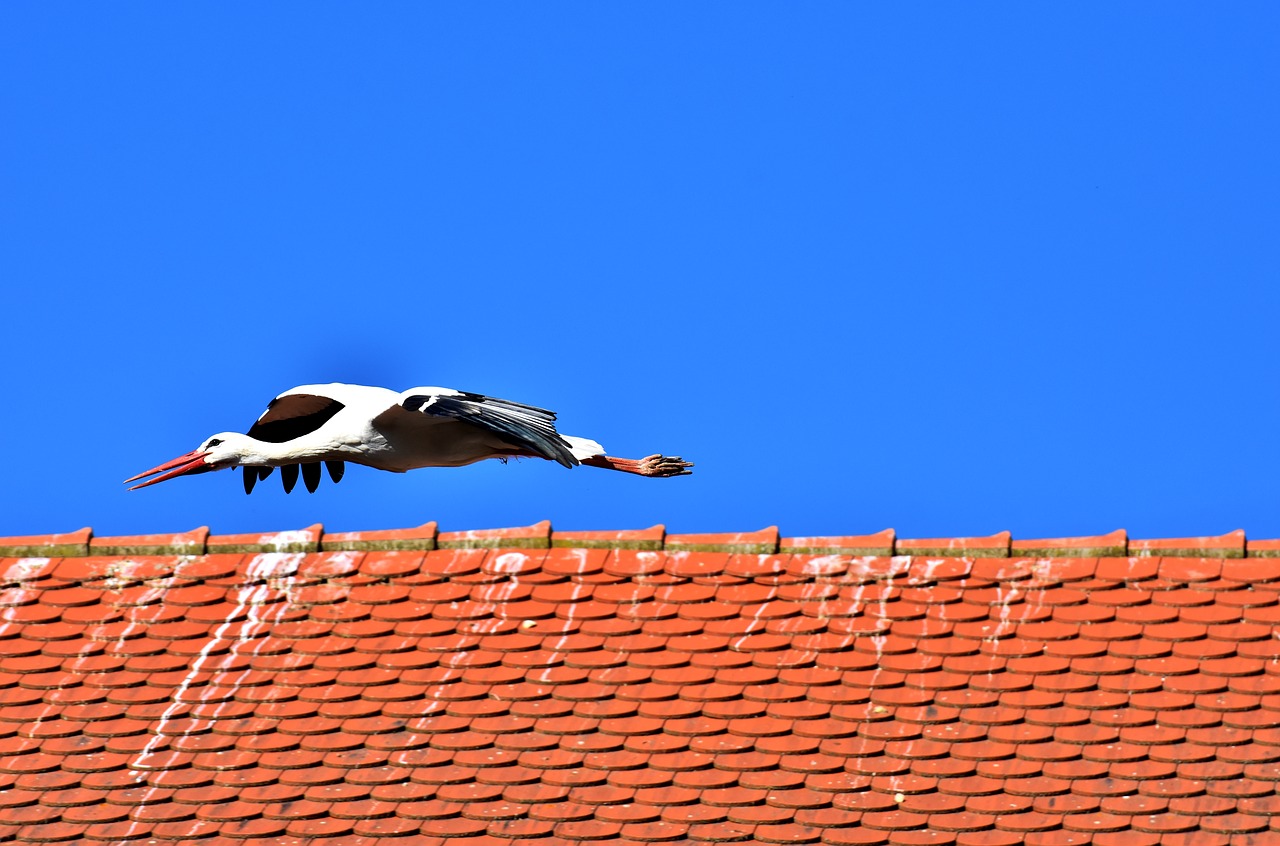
656,465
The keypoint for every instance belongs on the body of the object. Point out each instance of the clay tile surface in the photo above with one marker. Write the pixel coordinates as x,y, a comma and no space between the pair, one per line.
537,536
419,537
1230,545
185,543
651,538
995,546
763,541
1113,545
880,543
296,540
508,687
48,546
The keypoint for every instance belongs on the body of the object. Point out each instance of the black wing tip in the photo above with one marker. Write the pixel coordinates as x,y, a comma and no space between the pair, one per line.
289,475
415,402
311,476
254,474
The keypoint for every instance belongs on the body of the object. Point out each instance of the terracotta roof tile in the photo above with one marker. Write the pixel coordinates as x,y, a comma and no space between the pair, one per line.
636,688
537,536
1114,544
295,541
995,546
186,543
648,539
1230,545
763,541
881,543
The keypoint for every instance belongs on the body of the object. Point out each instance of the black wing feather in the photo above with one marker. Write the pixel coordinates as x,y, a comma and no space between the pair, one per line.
336,469
254,474
286,418
524,425
292,416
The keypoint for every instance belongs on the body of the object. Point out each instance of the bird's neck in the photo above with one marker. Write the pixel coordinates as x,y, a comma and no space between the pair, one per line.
297,451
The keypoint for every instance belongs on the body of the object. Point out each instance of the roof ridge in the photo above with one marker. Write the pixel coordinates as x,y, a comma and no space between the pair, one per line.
1116,544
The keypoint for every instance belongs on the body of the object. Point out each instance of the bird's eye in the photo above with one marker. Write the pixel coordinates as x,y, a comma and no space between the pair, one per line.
213,443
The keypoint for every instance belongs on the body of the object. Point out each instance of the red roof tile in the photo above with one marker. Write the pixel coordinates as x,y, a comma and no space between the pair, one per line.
996,546
634,687
880,543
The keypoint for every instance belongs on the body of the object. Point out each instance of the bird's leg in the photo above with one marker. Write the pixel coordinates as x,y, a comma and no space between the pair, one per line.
651,465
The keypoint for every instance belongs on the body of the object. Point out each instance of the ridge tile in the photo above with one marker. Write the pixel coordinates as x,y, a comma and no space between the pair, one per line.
537,536
763,542
1112,545
386,540
1230,545
881,543
993,546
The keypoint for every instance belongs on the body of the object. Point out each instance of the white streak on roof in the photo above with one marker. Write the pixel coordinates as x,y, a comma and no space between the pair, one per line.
824,565
24,568
268,574
283,540
345,556
507,562
273,565
755,620
930,566
487,626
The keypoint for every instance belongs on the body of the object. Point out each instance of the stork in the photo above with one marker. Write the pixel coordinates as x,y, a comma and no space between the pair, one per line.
421,427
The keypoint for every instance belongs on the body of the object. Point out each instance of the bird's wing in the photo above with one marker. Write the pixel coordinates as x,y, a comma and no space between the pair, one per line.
519,424
288,416
291,415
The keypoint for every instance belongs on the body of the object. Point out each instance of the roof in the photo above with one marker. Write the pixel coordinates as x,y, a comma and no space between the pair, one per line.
524,685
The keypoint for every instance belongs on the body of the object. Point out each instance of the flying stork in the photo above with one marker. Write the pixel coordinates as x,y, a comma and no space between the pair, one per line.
421,427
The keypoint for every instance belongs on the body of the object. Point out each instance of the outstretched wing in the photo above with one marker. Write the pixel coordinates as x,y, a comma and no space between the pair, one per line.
520,425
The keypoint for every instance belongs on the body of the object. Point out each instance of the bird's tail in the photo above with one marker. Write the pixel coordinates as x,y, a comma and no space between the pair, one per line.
582,448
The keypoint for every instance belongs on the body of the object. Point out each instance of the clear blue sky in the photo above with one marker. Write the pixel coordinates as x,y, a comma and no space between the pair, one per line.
950,269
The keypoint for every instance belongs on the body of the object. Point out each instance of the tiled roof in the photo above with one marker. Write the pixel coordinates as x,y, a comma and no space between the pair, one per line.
530,686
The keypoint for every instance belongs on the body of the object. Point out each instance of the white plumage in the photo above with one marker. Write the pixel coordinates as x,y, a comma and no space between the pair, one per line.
312,425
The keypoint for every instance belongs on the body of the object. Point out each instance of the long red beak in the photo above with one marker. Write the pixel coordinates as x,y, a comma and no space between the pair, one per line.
192,462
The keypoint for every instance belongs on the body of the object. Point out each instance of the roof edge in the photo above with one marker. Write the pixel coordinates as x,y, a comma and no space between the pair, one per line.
651,539
763,542
1112,545
879,544
767,541
537,536
419,538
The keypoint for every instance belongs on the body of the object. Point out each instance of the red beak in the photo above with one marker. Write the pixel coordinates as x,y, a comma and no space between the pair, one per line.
183,465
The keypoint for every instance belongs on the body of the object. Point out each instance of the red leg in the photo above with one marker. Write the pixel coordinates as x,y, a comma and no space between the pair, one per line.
652,465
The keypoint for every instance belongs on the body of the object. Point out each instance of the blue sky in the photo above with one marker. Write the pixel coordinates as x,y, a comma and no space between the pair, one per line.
948,269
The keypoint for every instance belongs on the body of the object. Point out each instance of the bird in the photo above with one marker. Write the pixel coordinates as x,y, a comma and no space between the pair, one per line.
332,424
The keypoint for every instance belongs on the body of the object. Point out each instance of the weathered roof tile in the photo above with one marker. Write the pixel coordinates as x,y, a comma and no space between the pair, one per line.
714,689
995,546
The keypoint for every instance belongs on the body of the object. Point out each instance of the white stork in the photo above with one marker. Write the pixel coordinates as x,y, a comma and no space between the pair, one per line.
377,427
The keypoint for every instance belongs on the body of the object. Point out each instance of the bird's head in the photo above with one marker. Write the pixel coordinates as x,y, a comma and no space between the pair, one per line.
218,452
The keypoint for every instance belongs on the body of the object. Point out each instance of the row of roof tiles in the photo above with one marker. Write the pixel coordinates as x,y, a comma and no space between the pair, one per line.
199,541
502,697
